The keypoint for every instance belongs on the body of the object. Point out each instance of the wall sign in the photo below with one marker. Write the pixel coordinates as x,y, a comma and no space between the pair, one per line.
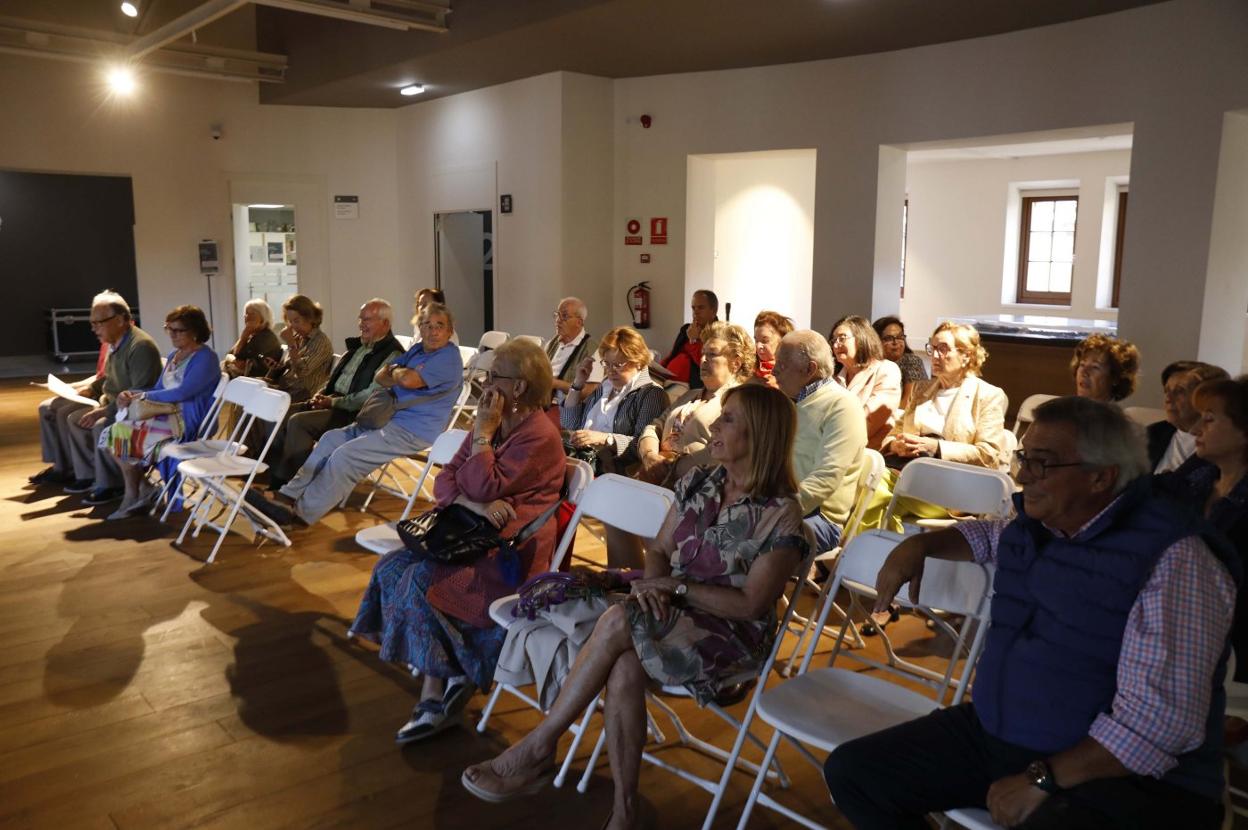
504,203
658,230
634,232
209,257
346,207
645,259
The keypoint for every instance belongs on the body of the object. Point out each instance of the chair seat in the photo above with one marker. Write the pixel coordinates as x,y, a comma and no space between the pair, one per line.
500,610
220,465
200,449
973,818
807,707
379,539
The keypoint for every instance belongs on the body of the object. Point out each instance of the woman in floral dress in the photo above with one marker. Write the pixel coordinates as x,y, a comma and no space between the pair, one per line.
704,614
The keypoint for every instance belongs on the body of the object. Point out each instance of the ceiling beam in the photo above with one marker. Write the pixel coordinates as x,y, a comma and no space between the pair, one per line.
434,19
181,26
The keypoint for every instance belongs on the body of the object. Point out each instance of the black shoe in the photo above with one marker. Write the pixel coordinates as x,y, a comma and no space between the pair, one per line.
103,495
51,476
734,694
281,516
80,485
868,628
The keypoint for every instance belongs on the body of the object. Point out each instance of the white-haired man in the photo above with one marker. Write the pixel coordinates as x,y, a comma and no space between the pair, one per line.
70,432
570,345
831,433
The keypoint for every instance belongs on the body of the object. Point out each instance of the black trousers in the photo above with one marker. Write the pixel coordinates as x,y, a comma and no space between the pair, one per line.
893,778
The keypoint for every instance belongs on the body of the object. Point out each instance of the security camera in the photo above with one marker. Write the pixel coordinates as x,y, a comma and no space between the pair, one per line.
216,131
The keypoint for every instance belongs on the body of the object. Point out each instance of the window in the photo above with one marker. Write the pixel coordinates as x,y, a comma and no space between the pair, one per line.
905,221
1118,237
1046,253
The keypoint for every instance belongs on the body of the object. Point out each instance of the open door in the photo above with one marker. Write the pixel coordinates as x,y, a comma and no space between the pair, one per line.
464,269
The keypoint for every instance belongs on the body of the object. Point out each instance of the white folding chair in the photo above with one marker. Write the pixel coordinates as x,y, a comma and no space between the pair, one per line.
212,474
1144,415
405,340
870,473
383,538
826,707
237,391
630,505
1026,412
467,353
492,340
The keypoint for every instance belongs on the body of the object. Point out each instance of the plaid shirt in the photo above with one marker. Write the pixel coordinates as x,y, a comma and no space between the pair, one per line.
1175,633
812,387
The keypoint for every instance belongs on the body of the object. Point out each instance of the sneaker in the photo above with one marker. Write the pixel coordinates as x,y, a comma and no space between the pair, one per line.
103,495
428,718
51,476
80,485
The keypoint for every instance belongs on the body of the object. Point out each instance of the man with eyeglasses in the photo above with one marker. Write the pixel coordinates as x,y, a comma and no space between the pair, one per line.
570,345
1098,699
349,385
69,432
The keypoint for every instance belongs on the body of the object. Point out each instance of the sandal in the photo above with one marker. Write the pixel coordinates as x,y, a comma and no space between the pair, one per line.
428,718
508,787
458,691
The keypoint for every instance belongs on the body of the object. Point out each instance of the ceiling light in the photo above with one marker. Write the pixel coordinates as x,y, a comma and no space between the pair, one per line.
129,9
413,89
121,80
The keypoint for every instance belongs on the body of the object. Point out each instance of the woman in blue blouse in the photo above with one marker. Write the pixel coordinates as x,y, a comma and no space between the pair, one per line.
188,381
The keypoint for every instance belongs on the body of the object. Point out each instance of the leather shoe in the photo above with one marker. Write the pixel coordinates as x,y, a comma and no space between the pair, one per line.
80,485
51,476
103,495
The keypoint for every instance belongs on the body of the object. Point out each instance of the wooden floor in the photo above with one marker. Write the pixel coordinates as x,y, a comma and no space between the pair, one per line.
140,688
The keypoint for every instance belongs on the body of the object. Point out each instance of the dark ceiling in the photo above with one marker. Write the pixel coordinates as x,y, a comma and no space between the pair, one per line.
344,64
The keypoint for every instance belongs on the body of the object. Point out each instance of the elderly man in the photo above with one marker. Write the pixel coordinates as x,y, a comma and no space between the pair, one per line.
686,356
1098,700
1171,442
570,345
70,431
349,385
831,433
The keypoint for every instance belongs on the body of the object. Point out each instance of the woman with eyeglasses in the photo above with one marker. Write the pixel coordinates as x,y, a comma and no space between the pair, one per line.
171,410
893,340
610,421
435,617
864,371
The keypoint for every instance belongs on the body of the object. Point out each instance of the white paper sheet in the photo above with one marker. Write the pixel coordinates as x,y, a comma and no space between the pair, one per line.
60,387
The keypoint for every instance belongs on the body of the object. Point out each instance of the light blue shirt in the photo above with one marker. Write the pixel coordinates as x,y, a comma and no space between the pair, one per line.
443,372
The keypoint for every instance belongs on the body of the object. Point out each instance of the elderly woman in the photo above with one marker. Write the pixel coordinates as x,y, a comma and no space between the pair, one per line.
679,439
609,422
704,614
169,411
1104,368
425,382
893,340
1172,441
434,617
256,343
1214,482
769,328
309,355
956,415
865,372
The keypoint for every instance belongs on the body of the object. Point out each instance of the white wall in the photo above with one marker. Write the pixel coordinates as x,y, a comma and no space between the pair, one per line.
57,118
956,245
1222,336
750,220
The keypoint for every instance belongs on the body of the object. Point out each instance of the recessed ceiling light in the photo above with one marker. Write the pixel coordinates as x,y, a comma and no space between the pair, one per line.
413,89
121,80
130,9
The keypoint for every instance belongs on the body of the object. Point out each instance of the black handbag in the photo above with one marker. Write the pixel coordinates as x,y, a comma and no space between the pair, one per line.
452,535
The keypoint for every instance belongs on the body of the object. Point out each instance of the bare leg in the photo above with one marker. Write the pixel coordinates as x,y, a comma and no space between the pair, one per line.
132,476
625,719
525,760
624,550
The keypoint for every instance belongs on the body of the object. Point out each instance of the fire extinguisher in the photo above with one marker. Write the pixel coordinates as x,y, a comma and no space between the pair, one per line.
639,304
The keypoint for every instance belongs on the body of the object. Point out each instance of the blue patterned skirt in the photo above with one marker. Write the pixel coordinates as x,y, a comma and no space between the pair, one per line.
395,614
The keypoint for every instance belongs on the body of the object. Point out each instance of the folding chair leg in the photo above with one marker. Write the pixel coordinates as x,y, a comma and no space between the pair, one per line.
583,784
577,735
489,706
758,782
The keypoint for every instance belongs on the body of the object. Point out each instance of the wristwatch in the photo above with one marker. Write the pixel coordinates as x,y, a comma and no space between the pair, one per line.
682,591
1039,774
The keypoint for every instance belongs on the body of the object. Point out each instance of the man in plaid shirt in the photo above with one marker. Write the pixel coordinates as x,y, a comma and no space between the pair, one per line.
1098,700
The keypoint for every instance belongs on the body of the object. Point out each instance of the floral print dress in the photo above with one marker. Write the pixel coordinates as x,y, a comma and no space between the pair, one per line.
715,544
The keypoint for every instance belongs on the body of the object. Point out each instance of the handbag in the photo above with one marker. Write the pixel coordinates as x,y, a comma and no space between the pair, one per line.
381,404
142,409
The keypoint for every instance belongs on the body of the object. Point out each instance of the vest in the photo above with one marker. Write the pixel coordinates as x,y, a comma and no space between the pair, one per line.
1059,612
363,377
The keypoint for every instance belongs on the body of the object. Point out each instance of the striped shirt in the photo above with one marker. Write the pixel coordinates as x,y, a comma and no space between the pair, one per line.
1175,634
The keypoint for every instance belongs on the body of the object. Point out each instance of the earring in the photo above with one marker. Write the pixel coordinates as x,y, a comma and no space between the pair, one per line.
515,407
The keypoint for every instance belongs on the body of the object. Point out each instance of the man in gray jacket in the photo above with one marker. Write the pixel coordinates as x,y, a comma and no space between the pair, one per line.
70,431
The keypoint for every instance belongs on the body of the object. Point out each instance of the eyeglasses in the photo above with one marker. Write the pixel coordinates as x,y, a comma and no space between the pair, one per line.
614,365
434,326
842,338
176,330
95,323
893,338
490,377
1038,468
941,349
563,318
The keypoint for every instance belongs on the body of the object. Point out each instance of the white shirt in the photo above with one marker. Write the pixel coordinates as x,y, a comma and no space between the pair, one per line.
1182,445
602,416
560,358
929,416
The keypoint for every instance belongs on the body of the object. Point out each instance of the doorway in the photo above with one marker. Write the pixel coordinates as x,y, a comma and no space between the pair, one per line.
266,255
463,262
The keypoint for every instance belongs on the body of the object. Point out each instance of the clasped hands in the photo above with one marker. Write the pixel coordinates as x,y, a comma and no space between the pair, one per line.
906,445
654,595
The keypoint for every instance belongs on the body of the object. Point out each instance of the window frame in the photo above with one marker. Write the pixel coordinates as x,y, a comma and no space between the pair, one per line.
1023,296
1120,227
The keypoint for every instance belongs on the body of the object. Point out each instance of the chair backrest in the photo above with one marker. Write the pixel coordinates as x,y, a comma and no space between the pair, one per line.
630,505
577,475
1144,415
208,426
466,354
1026,411
405,340
953,587
492,340
268,405
239,390
953,486
443,450
870,473
1009,446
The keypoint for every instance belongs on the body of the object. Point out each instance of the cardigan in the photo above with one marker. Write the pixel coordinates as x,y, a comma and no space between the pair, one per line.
526,470
133,364
974,430
827,451
878,386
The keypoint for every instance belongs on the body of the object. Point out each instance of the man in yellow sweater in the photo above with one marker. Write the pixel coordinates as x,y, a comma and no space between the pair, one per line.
831,433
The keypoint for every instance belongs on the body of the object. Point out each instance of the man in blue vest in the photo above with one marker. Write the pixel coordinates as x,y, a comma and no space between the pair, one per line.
1098,699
